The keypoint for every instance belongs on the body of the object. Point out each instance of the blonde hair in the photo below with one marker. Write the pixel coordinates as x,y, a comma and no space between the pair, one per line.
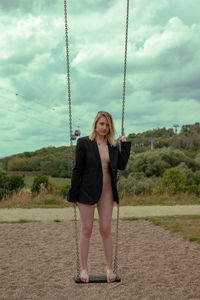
111,134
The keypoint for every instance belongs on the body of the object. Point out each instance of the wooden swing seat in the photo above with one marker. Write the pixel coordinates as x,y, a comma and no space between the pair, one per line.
96,279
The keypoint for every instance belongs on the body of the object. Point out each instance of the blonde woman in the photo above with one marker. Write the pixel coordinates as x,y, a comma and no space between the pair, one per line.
93,181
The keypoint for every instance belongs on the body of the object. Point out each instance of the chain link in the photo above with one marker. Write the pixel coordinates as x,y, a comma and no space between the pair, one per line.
115,268
125,66
76,239
70,126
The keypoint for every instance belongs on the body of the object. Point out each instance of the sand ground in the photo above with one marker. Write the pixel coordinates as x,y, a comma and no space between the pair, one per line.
37,261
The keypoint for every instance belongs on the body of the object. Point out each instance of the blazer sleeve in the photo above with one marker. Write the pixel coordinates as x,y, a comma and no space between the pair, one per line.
123,155
77,172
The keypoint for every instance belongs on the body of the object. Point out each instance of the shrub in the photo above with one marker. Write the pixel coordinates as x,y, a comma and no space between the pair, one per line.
172,182
3,193
137,184
16,182
193,189
197,177
38,182
64,190
9,184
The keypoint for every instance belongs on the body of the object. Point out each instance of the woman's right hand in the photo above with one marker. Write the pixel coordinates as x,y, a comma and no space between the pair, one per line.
74,204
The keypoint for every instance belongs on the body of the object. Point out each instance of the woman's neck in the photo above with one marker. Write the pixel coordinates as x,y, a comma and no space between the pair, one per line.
101,139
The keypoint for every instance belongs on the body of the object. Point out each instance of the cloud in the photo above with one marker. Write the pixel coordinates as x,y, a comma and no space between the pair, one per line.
162,72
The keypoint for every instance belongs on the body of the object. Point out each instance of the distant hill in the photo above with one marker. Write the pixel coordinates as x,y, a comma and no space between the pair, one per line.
50,161
188,140
57,162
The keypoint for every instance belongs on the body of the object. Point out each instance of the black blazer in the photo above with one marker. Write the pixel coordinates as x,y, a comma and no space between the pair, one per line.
87,175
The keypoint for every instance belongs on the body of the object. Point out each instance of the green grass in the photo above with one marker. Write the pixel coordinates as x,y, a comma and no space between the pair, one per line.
188,226
60,181
28,180
46,203
19,221
160,200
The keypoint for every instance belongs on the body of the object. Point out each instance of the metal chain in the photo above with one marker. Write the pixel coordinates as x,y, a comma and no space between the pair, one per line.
125,66
78,267
70,126
71,143
115,268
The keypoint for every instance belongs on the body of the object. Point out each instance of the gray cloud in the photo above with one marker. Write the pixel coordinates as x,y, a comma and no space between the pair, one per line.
162,73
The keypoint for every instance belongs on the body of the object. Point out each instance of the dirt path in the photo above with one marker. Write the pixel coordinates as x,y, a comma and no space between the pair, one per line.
37,262
51,214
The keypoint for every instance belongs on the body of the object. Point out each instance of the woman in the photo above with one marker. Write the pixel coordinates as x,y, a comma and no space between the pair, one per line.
93,181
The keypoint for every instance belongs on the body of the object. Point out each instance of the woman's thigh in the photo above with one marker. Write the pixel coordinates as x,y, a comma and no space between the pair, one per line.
105,208
86,214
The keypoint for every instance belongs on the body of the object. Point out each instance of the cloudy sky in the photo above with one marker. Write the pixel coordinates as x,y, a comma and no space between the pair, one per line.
163,74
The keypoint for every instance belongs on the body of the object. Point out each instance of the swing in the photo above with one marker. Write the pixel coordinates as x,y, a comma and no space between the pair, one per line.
94,278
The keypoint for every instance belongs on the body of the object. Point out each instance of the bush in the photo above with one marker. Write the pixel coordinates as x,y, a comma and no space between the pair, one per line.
16,182
38,182
3,193
137,184
193,189
64,190
9,184
172,182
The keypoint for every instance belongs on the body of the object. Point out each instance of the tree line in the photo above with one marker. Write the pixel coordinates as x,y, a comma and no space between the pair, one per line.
172,166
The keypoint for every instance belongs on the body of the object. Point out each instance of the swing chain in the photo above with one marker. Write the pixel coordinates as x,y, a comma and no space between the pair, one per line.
115,268
68,78
76,241
70,126
123,106
125,66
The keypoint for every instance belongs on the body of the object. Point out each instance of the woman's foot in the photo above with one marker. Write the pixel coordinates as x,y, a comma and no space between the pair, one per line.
110,275
84,276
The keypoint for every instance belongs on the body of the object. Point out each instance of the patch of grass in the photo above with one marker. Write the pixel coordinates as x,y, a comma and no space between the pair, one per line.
51,201
60,181
192,239
160,200
188,226
57,220
131,219
34,205
28,180
20,221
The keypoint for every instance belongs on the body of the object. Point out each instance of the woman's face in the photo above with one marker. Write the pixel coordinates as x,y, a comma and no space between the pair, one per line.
102,127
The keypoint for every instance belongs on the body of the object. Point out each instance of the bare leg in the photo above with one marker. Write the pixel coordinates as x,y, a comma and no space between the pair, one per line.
105,209
86,218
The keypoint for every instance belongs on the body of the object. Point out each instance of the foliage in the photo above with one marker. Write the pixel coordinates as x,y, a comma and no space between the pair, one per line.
9,184
64,190
188,140
172,182
52,161
136,184
38,182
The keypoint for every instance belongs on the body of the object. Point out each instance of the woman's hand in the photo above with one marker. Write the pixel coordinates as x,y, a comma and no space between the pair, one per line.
122,138
74,204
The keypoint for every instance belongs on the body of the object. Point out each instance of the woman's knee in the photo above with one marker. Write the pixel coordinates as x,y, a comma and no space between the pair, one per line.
86,231
105,230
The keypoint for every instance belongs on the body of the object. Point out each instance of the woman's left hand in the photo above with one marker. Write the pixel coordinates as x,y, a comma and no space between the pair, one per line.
122,138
